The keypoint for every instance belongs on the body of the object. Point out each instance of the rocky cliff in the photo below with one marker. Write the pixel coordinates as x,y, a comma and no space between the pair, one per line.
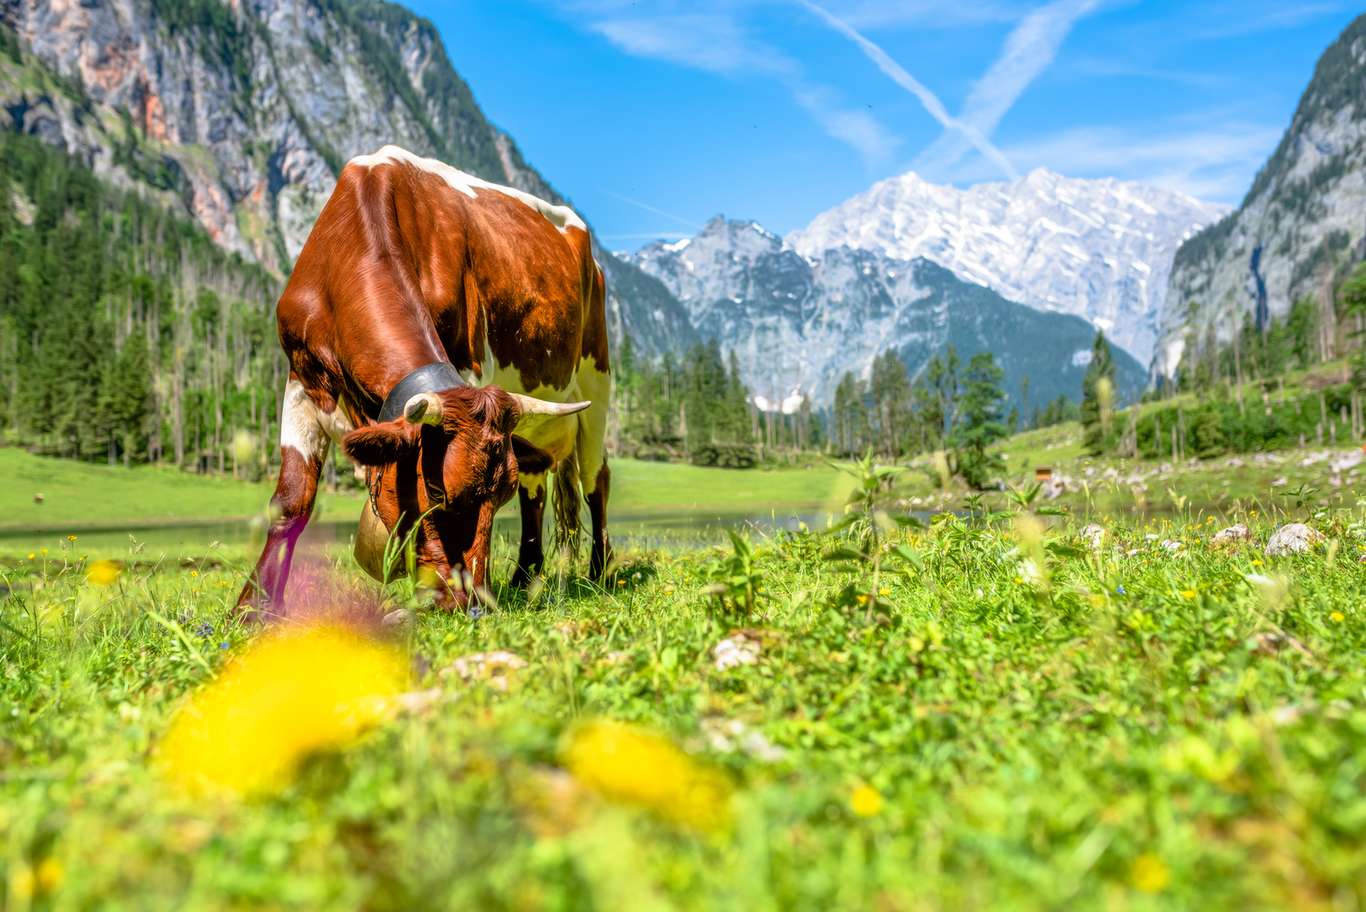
244,111
1298,231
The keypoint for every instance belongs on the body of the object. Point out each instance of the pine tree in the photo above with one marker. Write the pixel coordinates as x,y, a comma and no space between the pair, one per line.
1097,395
979,421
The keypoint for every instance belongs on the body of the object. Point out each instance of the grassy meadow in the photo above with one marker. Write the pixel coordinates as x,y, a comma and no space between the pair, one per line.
987,710
77,496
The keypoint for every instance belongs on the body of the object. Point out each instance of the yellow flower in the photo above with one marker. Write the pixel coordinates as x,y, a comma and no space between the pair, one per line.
1188,593
49,874
635,766
194,573
884,592
866,801
31,555
103,573
1149,873
1337,617
71,538
292,692
1256,562
21,882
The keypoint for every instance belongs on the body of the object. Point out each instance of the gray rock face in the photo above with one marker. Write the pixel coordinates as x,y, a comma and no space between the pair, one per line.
798,323
244,118
1292,538
1300,227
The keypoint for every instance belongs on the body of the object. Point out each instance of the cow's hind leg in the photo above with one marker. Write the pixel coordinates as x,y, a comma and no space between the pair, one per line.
303,449
531,492
594,476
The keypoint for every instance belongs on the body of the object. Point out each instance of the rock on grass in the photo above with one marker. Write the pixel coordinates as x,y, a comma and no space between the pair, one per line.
1292,538
1232,535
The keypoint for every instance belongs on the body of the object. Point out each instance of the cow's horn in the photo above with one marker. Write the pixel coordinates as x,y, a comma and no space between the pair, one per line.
530,405
424,408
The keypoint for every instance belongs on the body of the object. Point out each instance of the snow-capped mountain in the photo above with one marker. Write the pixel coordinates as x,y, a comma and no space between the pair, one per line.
798,323
1099,249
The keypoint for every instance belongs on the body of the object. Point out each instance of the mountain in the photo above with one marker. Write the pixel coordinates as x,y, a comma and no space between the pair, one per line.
798,323
1300,227
241,113
1098,249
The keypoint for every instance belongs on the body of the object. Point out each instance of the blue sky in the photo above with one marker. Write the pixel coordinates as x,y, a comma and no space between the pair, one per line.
654,115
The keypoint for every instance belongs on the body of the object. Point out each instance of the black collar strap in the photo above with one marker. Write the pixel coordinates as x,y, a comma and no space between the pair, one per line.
430,378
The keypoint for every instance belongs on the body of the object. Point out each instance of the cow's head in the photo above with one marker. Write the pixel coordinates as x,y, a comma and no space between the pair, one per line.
451,460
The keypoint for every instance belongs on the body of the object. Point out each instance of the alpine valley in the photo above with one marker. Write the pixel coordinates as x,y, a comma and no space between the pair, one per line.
237,116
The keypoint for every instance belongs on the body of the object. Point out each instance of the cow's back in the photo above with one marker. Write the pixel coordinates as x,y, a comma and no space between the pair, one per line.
411,259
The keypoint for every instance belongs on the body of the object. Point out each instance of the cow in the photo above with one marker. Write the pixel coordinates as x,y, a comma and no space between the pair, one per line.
450,334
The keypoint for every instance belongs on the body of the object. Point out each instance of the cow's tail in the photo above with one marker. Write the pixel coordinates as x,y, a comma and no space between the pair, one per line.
565,504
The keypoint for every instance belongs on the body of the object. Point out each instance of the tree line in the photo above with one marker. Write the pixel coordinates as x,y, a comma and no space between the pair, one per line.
126,334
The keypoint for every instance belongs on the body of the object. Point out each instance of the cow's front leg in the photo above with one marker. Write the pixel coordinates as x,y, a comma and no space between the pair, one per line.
303,448
531,554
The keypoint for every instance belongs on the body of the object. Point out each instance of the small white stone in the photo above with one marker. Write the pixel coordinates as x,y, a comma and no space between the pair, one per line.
398,619
1292,538
493,668
734,651
1237,532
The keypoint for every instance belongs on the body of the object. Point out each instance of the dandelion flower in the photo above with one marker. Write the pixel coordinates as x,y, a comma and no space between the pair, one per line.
1188,594
71,538
866,801
1149,873
103,573
50,874
634,766
1337,617
291,693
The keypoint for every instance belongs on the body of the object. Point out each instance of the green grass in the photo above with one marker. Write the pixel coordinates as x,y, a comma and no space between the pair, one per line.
1143,730
79,496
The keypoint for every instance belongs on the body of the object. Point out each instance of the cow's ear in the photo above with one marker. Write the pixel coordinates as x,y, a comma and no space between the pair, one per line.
381,444
531,459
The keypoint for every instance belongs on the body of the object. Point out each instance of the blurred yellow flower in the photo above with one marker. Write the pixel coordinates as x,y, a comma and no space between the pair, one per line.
1337,617
31,555
635,766
71,538
21,882
292,692
49,874
103,573
884,592
1149,873
866,801
1188,593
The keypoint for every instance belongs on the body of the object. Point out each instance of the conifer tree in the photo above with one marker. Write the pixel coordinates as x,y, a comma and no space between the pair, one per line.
1097,395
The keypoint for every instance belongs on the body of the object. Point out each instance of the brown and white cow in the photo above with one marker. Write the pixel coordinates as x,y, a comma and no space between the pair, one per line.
444,330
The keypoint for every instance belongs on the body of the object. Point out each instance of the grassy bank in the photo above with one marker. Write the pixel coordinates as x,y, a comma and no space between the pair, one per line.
1016,721
78,495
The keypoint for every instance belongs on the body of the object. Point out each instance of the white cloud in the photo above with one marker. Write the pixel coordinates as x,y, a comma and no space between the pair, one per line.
1029,50
898,74
1215,163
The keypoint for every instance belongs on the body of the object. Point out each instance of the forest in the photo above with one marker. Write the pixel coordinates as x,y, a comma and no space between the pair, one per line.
126,334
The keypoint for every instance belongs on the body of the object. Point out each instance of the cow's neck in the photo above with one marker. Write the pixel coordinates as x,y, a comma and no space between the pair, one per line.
396,353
